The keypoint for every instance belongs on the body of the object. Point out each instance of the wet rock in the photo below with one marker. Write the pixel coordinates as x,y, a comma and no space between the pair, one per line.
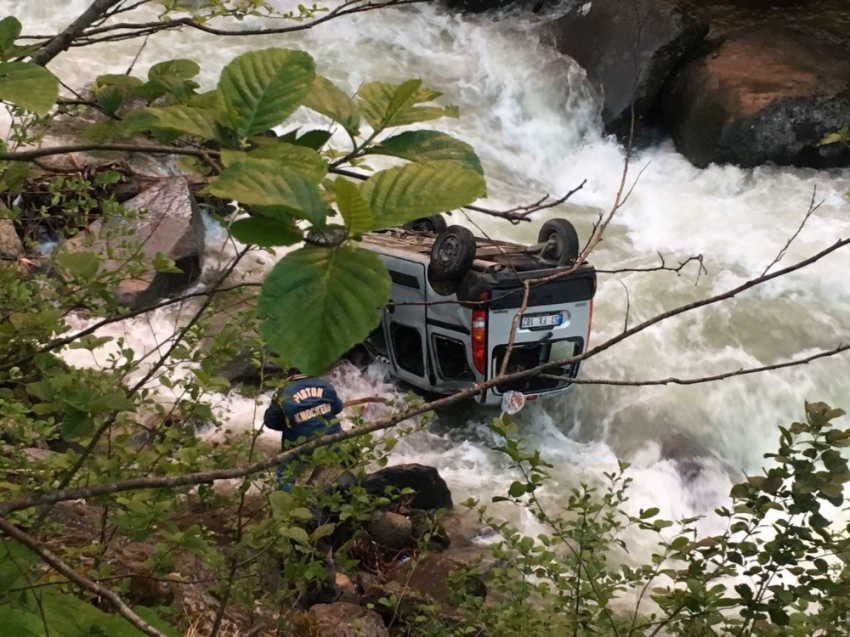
10,243
477,6
426,528
391,530
247,369
431,491
340,619
171,225
762,94
432,575
628,50
347,589
410,602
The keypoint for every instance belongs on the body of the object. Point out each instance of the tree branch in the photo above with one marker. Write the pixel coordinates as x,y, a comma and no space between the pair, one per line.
135,29
35,153
840,349
58,565
63,40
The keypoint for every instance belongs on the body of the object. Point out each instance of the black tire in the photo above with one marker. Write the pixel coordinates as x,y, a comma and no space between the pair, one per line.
326,237
563,246
452,254
434,223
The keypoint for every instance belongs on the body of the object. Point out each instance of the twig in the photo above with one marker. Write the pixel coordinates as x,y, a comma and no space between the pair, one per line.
138,55
812,207
60,566
628,305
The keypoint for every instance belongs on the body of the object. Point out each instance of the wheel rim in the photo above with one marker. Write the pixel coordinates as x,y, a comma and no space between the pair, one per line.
555,248
448,251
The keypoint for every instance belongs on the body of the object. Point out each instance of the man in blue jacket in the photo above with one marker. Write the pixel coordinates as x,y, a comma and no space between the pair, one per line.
305,408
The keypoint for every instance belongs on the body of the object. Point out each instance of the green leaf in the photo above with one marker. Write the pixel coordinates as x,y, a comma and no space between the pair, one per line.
265,182
328,99
76,424
265,232
10,29
317,303
179,119
81,266
517,489
649,513
260,89
404,193
423,146
13,557
386,105
183,69
298,534
300,159
314,139
163,264
358,217
29,86
14,621
101,132
301,513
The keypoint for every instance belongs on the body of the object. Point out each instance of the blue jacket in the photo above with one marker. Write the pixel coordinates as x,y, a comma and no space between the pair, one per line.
306,407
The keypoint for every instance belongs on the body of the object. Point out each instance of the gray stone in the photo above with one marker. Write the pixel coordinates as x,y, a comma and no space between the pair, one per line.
170,224
628,50
10,243
340,619
762,94
392,530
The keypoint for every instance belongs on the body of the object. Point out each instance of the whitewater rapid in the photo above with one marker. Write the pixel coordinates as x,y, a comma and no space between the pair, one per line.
532,118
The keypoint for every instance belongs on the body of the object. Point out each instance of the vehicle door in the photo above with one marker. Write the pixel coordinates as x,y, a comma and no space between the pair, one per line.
404,321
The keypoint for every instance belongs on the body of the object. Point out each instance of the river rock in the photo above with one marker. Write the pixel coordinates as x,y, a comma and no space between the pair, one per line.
477,6
762,94
628,50
431,491
430,576
10,243
391,530
170,224
340,619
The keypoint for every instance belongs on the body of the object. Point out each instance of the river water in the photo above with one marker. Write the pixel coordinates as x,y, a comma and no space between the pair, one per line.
529,114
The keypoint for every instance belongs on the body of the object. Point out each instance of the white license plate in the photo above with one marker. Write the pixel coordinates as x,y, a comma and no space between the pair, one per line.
540,320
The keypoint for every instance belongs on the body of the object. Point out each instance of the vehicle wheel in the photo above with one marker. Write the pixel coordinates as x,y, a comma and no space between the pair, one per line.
563,246
434,223
326,237
452,253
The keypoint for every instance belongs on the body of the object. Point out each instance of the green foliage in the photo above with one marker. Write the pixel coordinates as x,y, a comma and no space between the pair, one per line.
28,85
333,295
280,182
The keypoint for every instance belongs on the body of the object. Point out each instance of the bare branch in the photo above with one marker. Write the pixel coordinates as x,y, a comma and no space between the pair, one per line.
61,567
63,40
812,207
128,30
663,267
628,305
840,349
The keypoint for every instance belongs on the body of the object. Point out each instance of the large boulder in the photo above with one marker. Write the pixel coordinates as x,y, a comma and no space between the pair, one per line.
170,223
430,490
762,94
628,49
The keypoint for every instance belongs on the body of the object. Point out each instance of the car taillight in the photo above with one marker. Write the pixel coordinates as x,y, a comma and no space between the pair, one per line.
479,337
